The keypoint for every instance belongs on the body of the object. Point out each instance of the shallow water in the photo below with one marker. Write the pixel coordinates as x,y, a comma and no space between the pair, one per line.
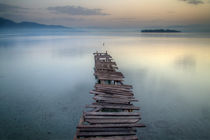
45,82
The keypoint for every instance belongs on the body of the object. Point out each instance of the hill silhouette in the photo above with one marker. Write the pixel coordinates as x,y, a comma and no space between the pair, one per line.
6,23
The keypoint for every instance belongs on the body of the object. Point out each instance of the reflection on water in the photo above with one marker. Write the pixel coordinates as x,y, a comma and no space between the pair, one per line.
186,62
45,83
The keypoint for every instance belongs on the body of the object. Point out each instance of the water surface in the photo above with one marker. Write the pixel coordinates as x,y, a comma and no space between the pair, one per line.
45,81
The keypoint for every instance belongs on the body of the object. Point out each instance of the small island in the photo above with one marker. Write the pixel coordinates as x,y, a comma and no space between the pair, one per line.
159,31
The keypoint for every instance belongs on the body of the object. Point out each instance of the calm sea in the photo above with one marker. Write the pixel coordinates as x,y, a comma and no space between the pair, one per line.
46,76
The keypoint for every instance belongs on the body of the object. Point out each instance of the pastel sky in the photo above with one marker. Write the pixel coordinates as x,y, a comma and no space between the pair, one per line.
108,13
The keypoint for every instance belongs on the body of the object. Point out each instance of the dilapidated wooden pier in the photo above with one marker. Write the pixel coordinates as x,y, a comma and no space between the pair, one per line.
113,116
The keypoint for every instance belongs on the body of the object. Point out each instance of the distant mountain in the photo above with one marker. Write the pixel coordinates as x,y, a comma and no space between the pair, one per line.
6,23
159,31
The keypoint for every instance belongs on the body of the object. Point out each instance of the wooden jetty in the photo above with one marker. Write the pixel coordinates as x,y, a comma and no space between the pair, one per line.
113,115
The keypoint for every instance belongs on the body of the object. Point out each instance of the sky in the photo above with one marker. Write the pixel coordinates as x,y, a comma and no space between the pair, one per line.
109,13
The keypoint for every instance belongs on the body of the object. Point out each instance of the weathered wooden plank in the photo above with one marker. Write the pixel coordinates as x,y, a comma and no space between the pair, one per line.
96,109
114,74
91,134
110,63
112,117
98,68
106,129
128,107
111,125
113,92
114,102
120,86
108,73
104,60
133,137
117,99
111,121
111,104
115,96
130,95
102,63
97,53
102,56
109,77
113,89
112,113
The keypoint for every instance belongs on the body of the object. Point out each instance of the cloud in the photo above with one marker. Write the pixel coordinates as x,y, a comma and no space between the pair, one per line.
10,8
76,10
125,19
195,2
171,12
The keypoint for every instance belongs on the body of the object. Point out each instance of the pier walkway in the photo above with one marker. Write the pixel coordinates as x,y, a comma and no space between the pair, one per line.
113,116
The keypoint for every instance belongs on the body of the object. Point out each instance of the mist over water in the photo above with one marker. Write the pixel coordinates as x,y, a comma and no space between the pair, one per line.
45,79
